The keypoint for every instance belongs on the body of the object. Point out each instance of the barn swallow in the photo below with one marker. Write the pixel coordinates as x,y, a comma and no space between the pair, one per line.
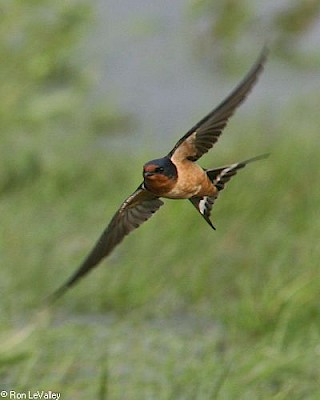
175,176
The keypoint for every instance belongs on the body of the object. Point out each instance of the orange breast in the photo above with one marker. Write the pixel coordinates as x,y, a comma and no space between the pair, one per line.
159,184
192,181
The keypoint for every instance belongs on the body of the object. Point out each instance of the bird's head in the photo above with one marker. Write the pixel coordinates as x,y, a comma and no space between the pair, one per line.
159,175
160,167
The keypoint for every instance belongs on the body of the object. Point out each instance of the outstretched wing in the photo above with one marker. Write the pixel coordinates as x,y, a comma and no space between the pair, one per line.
219,177
135,210
201,137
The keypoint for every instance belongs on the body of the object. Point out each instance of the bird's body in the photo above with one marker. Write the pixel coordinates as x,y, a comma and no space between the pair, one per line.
175,176
190,180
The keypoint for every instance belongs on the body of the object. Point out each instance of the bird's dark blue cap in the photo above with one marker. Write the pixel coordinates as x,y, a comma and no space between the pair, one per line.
169,169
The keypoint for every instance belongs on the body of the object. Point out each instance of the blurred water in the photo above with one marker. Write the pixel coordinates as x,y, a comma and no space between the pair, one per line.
149,70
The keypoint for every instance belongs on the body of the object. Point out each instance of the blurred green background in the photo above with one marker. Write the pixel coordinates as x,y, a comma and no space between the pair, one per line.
89,92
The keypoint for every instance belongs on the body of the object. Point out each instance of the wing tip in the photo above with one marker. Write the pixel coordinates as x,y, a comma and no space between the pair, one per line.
264,53
258,66
256,158
56,295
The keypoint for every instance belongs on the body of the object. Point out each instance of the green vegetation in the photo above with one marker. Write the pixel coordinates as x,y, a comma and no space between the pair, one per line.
178,311
237,25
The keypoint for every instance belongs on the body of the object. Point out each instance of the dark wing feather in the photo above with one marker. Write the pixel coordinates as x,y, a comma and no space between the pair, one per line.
135,210
219,177
206,132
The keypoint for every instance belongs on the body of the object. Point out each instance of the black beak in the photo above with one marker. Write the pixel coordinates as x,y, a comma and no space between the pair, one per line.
148,173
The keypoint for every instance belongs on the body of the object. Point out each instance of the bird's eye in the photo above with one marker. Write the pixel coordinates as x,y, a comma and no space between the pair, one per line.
159,169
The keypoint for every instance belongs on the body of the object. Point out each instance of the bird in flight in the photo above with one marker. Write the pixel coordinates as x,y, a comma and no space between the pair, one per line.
175,176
